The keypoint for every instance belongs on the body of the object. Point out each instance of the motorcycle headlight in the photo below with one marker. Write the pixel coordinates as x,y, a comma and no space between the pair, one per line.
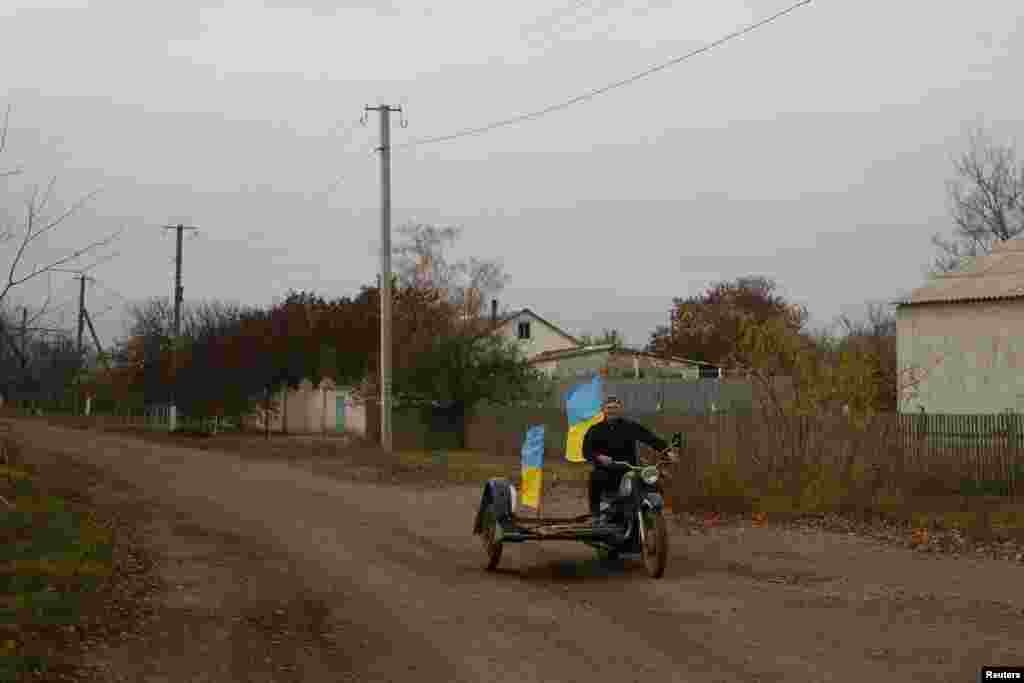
649,475
626,487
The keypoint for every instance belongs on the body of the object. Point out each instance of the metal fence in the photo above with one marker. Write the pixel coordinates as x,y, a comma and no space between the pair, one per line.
645,396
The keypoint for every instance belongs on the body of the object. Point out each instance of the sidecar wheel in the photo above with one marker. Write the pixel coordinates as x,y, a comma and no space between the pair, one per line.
655,547
492,547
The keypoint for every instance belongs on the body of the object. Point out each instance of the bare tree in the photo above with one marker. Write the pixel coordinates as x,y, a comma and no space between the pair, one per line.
986,202
420,261
37,220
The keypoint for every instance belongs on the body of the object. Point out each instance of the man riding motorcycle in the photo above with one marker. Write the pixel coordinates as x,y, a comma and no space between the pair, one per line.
614,438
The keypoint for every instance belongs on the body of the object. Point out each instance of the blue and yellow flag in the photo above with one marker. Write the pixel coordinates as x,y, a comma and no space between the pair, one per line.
583,408
533,466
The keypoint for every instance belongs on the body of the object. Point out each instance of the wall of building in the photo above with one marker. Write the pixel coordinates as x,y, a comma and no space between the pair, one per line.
309,410
542,337
355,417
969,356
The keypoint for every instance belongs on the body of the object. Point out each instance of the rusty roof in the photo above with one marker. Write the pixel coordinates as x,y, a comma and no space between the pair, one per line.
998,275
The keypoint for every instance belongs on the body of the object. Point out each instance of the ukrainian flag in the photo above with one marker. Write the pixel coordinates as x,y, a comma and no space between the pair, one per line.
533,466
583,408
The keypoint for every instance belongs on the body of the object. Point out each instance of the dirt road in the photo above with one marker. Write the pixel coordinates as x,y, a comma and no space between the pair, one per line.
399,567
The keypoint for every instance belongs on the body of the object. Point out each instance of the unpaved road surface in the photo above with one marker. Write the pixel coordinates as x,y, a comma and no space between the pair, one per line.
398,569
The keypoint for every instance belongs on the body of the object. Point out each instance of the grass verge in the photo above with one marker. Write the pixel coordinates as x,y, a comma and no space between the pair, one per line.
69,578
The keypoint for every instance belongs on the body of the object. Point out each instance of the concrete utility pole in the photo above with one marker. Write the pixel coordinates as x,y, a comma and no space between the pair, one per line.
385,271
178,291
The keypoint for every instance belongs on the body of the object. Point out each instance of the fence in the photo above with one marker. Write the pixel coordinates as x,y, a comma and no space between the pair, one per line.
152,418
927,455
697,396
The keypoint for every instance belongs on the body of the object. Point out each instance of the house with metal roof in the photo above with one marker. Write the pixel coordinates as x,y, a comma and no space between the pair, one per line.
960,337
557,353
532,333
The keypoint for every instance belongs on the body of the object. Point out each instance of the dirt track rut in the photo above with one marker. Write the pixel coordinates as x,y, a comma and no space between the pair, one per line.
741,604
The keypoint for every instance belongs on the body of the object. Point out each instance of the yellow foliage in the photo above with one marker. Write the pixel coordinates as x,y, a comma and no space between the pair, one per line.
723,481
94,568
62,568
889,500
775,504
821,488
1011,519
92,534
822,379
959,520
13,473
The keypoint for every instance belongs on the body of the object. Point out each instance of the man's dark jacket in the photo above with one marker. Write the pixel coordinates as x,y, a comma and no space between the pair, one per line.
617,439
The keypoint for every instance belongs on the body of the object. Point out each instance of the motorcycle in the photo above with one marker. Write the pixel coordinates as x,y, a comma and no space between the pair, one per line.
631,521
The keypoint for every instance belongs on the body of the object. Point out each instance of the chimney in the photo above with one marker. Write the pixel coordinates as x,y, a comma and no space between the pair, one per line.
494,310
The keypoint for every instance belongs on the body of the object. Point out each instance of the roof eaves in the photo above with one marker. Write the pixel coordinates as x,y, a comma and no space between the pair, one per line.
957,300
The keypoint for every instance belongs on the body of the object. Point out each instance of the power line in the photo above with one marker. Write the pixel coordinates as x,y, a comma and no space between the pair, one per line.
600,91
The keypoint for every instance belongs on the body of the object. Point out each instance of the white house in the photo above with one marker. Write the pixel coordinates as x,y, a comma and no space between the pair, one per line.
533,334
960,337
310,409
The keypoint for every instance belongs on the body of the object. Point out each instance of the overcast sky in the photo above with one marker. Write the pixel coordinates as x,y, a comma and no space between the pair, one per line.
814,150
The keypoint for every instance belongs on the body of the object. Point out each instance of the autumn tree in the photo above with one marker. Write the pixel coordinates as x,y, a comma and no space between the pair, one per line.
874,337
707,327
421,262
463,371
986,199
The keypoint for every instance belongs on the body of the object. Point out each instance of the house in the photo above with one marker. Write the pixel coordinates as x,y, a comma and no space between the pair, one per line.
532,333
960,337
310,409
614,361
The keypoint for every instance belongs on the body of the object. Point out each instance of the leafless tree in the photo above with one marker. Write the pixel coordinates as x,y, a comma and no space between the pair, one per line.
986,202
420,261
37,220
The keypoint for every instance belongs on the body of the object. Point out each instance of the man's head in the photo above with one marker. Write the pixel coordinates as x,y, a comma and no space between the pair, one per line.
612,408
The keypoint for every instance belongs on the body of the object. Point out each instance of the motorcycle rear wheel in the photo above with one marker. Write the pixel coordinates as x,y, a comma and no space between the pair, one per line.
655,545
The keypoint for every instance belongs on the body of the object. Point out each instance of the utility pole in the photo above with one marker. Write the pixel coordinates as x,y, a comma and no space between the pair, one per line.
24,335
81,311
82,278
178,291
385,270
96,339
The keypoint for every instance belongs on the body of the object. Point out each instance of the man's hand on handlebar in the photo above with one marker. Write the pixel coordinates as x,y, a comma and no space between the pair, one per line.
602,459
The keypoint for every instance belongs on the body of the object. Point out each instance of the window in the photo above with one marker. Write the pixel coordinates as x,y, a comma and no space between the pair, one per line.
524,329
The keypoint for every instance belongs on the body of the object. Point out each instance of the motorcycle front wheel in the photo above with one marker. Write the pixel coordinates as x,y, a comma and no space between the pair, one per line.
655,543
